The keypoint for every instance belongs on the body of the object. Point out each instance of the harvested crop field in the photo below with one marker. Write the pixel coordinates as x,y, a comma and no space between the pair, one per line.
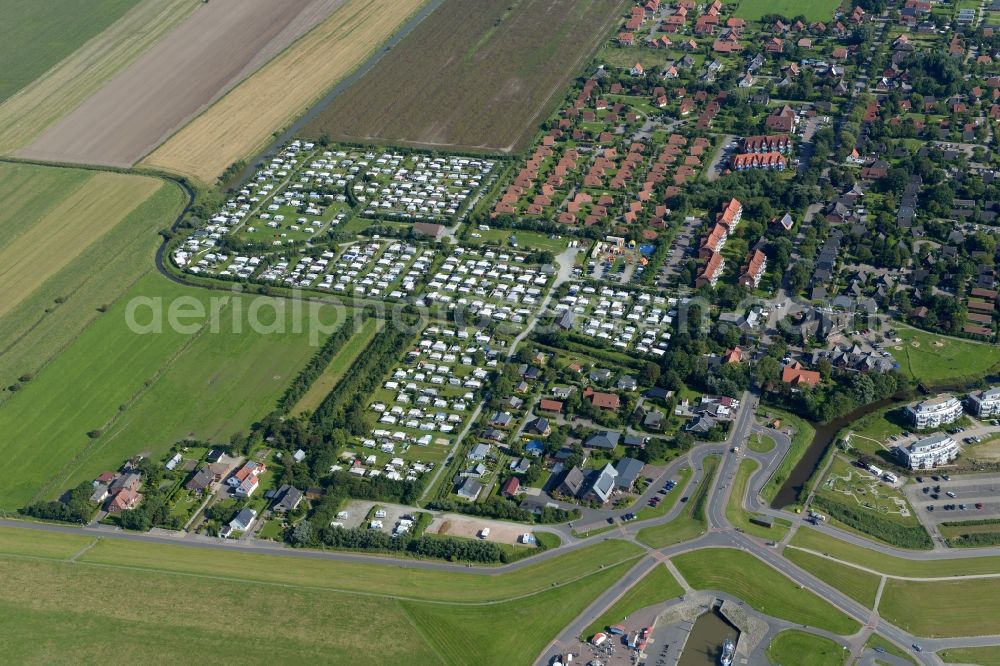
63,87
474,76
36,35
219,45
244,120
49,222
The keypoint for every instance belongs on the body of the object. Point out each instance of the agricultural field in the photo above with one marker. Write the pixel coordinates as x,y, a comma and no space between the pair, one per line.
814,10
114,392
34,36
473,77
244,120
48,319
217,47
934,358
766,590
338,366
53,217
66,84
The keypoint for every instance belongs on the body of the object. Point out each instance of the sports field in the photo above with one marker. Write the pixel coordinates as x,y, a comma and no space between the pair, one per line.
114,393
244,120
48,319
657,586
814,10
53,217
474,76
34,36
768,591
58,609
934,358
63,87
338,366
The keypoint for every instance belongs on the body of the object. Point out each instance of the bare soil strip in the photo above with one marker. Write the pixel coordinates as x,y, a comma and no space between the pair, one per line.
181,75
57,92
244,120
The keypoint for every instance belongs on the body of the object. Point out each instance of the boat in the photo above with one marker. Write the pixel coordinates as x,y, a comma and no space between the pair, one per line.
728,649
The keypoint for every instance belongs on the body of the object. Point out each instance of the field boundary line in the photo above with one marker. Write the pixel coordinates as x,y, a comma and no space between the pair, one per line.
84,550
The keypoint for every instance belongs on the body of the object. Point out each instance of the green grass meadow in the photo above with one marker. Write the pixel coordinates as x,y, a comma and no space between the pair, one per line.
34,36
764,588
655,587
143,392
934,359
859,585
338,366
814,10
789,646
163,602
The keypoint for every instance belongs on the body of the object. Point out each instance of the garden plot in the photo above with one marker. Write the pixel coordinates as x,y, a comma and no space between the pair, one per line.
429,398
627,320
500,286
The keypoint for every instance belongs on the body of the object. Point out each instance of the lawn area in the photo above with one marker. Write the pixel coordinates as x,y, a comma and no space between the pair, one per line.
491,619
858,585
114,392
935,359
937,609
756,583
803,436
966,566
739,517
36,543
657,586
47,320
690,523
814,10
57,612
417,584
34,36
877,641
478,77
338,366
669,500
760,443
790,646
512,632
526,240
984,656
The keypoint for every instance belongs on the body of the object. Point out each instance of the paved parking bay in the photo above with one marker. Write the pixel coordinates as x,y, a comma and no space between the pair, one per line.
968,489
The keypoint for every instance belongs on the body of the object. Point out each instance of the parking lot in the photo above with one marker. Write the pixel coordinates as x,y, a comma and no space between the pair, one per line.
969,491
451,524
